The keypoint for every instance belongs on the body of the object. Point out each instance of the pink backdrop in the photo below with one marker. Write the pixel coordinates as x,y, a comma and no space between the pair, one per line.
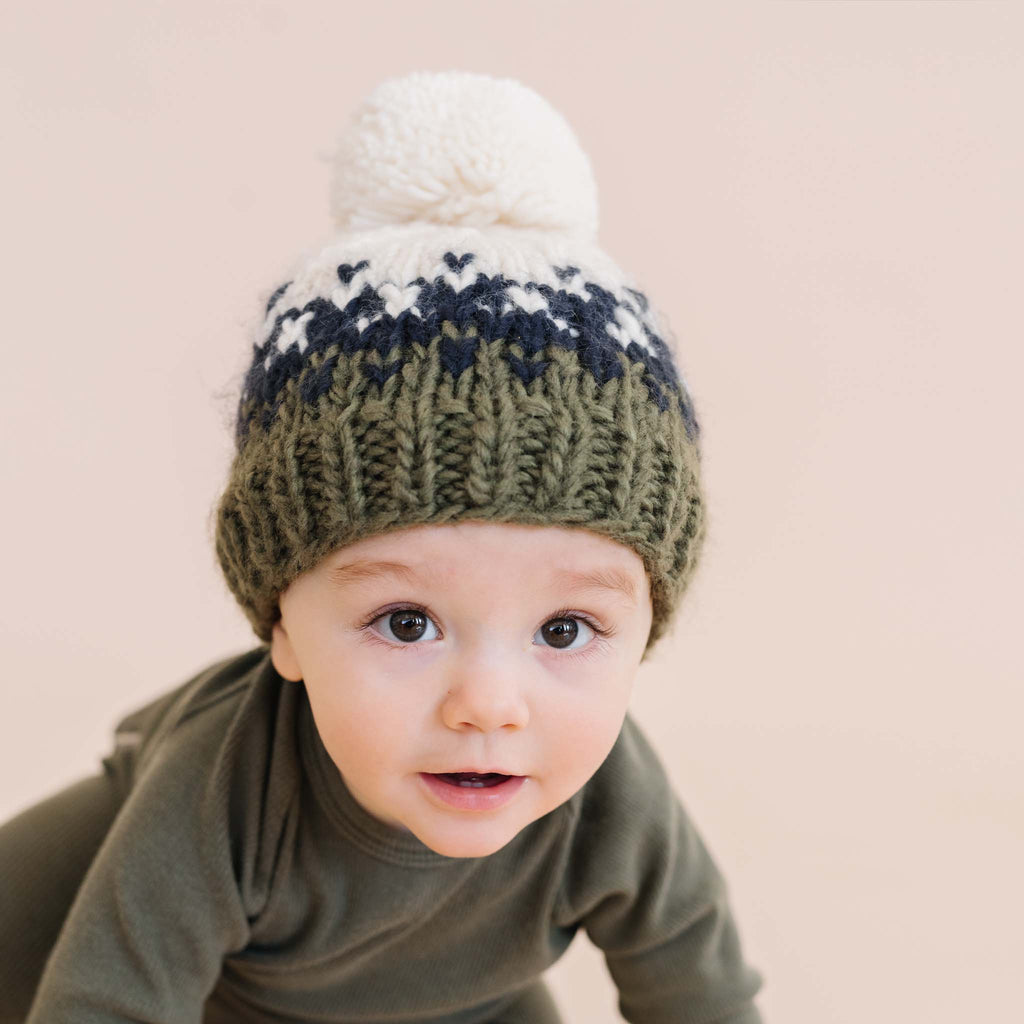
825,198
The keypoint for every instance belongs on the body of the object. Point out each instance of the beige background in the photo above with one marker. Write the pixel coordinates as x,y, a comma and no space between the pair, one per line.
824,197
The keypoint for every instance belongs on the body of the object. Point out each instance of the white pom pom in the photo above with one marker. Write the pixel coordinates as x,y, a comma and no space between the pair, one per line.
461,148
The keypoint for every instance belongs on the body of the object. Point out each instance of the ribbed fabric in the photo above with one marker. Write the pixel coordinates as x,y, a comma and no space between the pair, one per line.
241,882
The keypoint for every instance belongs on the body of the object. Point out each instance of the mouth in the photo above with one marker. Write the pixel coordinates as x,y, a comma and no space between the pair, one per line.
472,790
474,780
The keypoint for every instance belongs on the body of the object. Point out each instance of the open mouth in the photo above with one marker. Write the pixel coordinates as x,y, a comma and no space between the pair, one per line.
473,791
473,780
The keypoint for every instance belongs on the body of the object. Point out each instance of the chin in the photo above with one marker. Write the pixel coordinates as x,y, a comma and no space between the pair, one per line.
470,841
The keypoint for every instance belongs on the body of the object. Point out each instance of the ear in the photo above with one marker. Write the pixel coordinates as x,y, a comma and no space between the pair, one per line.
282,654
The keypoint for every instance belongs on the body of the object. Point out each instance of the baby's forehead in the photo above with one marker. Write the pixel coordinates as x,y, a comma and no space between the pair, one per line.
490,555
573,541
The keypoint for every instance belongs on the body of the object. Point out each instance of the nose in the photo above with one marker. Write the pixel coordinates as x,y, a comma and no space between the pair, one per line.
487,702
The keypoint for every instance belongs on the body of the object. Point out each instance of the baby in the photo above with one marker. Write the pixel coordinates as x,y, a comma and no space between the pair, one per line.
464,504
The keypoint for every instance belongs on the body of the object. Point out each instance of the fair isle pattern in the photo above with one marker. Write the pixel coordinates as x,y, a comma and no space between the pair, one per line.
365,309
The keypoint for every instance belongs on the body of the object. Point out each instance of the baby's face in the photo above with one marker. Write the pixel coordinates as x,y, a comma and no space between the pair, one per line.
471,692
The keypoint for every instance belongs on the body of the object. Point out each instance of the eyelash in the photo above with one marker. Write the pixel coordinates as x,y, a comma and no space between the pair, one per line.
601,635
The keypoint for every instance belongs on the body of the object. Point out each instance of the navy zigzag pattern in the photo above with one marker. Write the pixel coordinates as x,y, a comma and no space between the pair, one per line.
479,304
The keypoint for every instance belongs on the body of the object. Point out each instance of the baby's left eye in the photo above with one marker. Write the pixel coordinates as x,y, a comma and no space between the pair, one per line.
560,632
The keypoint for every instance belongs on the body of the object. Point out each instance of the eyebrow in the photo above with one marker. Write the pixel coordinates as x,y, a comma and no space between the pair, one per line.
609,579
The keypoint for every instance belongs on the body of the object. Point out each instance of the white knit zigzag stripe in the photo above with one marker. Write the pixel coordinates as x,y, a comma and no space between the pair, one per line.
398,255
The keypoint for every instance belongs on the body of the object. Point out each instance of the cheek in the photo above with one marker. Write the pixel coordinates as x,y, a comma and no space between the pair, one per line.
367,718
582,729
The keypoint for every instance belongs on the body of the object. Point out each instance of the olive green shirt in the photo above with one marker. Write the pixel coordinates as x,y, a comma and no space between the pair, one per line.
240,881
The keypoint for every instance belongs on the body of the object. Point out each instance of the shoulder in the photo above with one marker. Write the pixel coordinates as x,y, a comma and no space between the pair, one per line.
622,813
631,787
216,759
225,739
219,681
633,834
198,712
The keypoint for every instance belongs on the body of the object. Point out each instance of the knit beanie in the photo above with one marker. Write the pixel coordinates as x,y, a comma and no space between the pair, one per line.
461,349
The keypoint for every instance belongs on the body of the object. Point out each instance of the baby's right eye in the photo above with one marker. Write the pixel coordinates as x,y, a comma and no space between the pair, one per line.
405,625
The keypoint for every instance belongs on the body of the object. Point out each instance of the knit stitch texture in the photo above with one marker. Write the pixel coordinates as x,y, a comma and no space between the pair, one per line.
425,373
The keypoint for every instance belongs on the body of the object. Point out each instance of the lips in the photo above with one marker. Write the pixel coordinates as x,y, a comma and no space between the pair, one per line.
472,790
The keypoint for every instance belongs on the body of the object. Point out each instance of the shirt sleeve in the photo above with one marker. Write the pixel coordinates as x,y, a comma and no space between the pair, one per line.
160,905
649,895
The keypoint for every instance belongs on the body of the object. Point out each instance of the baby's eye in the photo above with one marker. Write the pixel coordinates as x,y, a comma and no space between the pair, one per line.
406,625
560,632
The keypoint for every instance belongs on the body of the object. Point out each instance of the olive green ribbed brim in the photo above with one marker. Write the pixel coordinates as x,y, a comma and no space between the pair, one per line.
364,459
